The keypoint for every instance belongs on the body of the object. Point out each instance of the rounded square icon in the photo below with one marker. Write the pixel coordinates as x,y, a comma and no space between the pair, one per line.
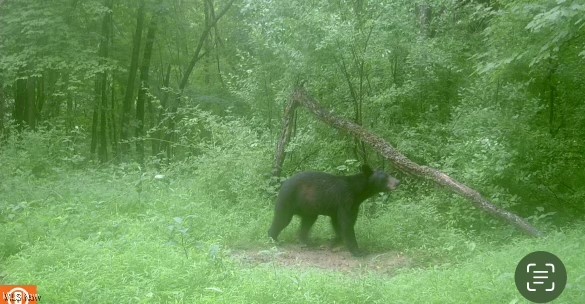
540,277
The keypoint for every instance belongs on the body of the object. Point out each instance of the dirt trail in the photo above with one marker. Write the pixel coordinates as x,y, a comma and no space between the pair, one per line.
296,256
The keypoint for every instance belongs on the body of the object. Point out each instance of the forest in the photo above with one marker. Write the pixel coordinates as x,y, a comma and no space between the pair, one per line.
143,145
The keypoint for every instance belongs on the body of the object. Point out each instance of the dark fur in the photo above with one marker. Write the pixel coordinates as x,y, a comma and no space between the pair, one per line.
310,194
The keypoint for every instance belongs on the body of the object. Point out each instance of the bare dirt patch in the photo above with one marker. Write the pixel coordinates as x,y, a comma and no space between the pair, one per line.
339,260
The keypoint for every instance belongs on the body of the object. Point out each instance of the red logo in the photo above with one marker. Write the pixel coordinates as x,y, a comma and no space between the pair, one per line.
19,294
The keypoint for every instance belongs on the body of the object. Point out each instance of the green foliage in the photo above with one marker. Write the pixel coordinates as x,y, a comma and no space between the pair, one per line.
42,152
175,246
230,158
542,31
557,26
485,91
43,36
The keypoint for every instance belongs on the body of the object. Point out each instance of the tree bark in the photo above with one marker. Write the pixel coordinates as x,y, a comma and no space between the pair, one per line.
129,95
103,141
99,120
550,92
20,102
287,125
31,108
401,162
39,97
144,68
95,117
114,140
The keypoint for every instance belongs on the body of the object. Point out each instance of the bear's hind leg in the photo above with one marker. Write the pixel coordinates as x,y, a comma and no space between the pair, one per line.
338,238
306,224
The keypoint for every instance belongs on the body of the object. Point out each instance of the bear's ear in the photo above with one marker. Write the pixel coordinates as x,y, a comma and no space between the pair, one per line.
366,170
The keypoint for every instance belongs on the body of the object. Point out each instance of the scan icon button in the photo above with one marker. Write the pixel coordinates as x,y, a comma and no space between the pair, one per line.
540,277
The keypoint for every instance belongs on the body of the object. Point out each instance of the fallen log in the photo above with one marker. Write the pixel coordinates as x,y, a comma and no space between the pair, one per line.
301,97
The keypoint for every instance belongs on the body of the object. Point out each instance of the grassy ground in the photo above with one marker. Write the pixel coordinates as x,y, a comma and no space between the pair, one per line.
104,236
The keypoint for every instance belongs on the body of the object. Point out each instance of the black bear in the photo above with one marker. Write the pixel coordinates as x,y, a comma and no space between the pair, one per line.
310,194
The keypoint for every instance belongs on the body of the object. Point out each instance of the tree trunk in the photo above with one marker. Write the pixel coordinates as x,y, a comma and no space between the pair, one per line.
99,138
401,162
31,108
424,14
114,140
287,124
551,93
207,43
69,117
20,102
39,97
144,89
95,118
197,56
173,105
161,144
125,115
216,43
103,142
25,102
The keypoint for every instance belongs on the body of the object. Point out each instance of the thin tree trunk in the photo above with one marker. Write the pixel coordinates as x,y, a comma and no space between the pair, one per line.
160,144
357,97
207,43
551,90
99,138
113,129
144,68
216,44
20,102
39,97
197,56
31,108
25,105
301,96
287,125
103,141
125,115
69,103
424,15
95,118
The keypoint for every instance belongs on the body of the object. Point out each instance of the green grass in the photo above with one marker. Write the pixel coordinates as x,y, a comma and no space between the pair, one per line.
91,237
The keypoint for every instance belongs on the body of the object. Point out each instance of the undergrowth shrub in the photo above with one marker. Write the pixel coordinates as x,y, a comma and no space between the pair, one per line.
40,152
414,224
497,147
234,162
